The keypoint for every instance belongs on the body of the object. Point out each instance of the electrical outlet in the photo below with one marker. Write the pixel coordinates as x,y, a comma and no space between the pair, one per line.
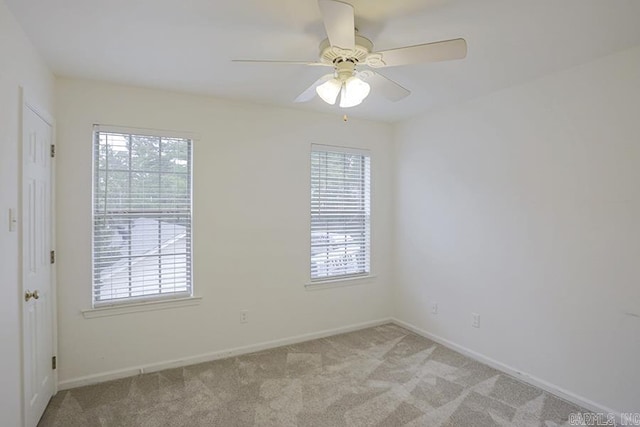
434,308
244,316
476,320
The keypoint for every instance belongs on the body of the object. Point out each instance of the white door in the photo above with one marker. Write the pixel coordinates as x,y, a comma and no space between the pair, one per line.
38,382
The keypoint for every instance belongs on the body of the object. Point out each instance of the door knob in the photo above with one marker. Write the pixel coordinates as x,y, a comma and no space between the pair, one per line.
28,295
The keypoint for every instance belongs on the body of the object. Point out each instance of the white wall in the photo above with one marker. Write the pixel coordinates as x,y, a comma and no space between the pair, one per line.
20,65
251,227
524,206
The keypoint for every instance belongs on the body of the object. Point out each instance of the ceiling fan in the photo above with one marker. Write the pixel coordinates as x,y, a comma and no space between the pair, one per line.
353,60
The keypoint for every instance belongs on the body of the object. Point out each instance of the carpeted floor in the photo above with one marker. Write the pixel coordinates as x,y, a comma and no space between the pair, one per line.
382,376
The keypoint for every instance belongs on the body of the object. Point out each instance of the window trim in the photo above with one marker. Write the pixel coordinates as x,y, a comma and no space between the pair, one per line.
150,302
351,279
340,282
140,306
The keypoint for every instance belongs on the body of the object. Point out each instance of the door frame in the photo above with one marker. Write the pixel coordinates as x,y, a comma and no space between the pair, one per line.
28,102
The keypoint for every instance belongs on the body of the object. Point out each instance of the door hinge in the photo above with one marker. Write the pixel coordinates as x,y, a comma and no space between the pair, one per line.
53,257
54,362
53,150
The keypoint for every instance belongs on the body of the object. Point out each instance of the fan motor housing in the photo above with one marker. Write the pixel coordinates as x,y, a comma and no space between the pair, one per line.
334,55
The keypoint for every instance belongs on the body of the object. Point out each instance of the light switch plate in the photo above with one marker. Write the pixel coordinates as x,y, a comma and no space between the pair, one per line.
476,320
13,219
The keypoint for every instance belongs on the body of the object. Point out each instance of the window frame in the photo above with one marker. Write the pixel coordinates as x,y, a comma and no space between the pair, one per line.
343,279
152,301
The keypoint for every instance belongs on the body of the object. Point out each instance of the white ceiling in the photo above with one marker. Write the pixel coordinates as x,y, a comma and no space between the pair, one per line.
187,45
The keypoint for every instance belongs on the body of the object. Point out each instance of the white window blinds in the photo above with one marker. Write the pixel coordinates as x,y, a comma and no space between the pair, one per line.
340,213
141,216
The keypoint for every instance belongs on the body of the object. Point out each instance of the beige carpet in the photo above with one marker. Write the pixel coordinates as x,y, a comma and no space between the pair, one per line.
382,376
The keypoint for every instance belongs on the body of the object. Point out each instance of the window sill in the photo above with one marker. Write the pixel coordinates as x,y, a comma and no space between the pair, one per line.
338,283
115,310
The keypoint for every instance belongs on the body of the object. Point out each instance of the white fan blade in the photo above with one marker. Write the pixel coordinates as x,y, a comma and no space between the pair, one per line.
384,86
260,61
310,92
428,52
339,23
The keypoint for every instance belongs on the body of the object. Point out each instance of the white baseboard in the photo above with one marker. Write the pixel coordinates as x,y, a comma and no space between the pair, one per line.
221,354
523,376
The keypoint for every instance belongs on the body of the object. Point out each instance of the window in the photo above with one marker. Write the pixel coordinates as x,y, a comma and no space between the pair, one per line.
141,216
340,213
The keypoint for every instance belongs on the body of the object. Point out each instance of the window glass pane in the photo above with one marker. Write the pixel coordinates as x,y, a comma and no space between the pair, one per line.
145,153
114,152
141,217
340,214
175,156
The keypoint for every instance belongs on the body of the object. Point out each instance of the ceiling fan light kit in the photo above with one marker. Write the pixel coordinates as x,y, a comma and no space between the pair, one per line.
344,82
354,91
329,91
354,61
